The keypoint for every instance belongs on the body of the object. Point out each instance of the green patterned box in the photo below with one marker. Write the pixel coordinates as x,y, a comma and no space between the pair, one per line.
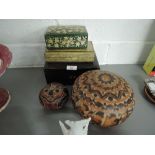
65,37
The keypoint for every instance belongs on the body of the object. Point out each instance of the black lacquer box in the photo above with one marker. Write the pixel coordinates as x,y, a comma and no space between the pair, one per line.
66,73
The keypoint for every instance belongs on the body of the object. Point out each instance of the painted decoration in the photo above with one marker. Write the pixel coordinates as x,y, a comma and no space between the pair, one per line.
104,96
54,96
70,36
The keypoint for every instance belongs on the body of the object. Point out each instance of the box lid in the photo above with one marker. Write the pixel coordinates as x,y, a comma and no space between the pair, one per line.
66,30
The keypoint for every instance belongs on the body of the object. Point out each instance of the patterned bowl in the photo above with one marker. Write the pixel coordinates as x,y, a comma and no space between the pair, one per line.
104,96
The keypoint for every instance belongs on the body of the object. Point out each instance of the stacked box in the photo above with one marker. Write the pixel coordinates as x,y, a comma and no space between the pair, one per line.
68,53
65,72
71,55
68,37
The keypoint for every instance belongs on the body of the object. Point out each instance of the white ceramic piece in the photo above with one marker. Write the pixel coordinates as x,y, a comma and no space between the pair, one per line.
75,127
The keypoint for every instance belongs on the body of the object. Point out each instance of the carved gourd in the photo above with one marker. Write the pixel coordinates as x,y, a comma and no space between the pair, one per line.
104,96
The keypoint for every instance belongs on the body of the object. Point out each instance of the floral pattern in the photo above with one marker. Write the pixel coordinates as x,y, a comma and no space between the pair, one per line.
66,29
66,37
67,42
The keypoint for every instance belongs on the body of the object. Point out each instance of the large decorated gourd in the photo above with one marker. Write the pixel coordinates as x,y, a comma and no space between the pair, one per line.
104,96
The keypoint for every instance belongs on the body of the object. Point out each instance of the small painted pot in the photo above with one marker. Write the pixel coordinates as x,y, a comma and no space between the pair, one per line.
54,96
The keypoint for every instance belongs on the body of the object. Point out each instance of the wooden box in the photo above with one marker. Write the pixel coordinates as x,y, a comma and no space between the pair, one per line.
63,37
66,73
71,55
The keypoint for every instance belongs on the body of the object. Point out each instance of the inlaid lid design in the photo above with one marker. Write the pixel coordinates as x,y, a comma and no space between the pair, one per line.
66,29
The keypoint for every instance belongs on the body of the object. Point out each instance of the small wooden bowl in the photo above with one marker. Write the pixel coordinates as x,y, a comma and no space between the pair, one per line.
149,95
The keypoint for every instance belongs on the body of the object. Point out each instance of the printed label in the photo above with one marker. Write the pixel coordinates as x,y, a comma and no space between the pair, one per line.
71,67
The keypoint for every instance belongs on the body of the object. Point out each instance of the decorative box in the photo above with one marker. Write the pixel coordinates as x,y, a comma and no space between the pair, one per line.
71,55
70,36
149,95
65,72
149,65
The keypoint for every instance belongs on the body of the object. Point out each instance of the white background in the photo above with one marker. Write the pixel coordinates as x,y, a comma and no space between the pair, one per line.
91,145
116,41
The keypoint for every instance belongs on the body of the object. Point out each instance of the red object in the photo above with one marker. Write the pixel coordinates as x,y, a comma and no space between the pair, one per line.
54,96
5,60
4,99
152,73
